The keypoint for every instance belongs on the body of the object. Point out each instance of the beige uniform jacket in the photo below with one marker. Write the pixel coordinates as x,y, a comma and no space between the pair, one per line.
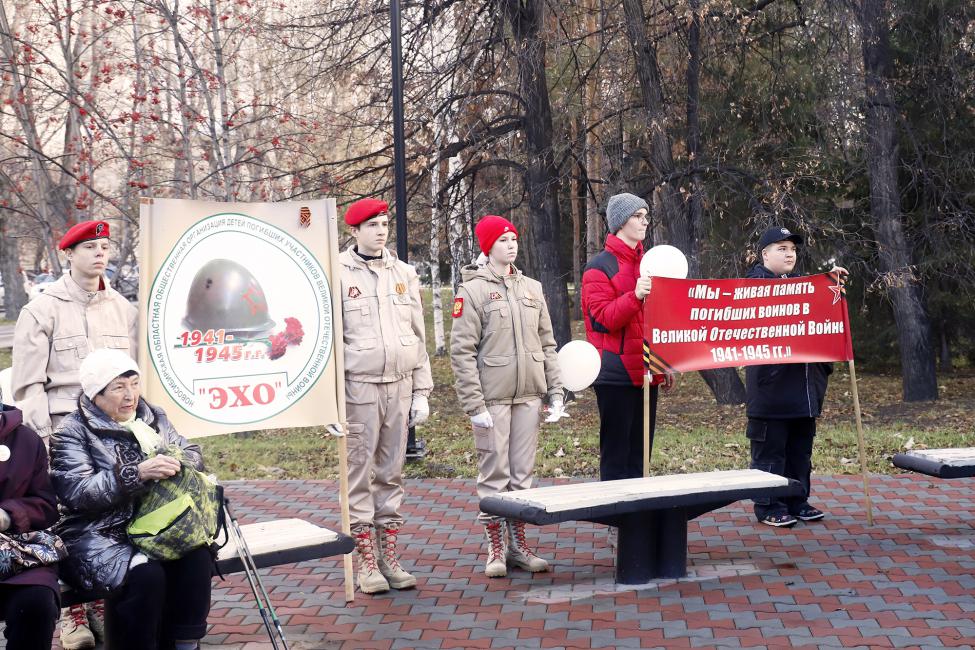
384,336
54,333
502,349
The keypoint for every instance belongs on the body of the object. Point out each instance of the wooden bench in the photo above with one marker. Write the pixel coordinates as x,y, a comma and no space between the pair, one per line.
940,463
282,541
651,513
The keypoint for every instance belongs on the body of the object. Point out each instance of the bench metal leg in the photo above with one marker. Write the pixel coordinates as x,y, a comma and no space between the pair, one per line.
651,545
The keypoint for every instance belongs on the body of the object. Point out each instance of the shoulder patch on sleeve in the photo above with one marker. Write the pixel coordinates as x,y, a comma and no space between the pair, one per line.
605,262
458,307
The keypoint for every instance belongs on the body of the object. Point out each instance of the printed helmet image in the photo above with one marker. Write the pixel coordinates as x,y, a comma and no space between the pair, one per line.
225,295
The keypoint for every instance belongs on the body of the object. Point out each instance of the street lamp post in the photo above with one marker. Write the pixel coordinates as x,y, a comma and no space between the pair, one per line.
415,449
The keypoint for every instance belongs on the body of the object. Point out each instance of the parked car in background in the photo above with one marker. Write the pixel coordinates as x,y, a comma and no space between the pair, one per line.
41,280
124,280
6,392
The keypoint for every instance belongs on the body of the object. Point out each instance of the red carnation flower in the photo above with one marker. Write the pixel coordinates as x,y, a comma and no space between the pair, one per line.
293,332
279,344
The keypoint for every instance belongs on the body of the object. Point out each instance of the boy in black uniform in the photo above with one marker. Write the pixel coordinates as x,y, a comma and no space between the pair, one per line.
784,401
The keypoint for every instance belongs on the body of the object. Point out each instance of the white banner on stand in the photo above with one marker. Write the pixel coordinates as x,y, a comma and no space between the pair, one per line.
237,314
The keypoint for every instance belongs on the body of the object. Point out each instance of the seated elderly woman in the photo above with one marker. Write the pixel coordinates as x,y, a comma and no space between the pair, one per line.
29,598
100,466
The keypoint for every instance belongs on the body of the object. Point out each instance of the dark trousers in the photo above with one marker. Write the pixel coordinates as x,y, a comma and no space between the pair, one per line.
782,447
621,430
159,603
31,612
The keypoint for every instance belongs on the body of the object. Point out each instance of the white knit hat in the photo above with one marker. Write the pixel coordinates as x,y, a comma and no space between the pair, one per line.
101,367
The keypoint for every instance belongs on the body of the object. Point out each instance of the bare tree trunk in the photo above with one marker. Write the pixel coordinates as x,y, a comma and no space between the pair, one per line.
433,262
595,229
72,47
228,168
14,296
134,180
695,208
184,107
460,243
913,327
947,367
723,382
595,223
672,215
541,177
577,199
679,222
220,163
51,212
592,150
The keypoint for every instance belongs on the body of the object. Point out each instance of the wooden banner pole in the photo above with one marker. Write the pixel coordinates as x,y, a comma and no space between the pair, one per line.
339,357
344,506
646,423
860,442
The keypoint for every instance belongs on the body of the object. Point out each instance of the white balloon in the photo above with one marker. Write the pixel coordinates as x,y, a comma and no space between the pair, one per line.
580,365
664,261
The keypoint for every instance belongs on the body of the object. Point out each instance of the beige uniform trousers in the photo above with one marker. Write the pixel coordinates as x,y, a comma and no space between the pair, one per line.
377,416
506,452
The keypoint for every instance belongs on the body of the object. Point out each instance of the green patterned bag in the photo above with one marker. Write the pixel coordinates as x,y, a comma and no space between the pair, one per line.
177,515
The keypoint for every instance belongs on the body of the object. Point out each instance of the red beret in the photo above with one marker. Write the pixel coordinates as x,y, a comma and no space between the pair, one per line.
364,209
84,231
489,228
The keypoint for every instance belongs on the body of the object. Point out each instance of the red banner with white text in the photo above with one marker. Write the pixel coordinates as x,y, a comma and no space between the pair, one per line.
700,324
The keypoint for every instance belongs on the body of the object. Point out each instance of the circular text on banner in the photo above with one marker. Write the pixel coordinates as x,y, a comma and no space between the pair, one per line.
240,320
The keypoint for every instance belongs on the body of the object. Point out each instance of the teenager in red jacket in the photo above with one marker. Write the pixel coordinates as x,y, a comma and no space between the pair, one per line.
612,305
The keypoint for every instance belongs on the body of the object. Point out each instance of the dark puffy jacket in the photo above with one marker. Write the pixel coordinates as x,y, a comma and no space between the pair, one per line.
94,470
782,391
613,315
25,491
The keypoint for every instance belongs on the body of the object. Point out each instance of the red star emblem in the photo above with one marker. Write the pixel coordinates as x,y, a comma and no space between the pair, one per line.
838,291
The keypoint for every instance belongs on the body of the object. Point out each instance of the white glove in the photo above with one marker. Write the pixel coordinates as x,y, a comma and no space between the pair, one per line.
482,420
556,409
4,520
419,410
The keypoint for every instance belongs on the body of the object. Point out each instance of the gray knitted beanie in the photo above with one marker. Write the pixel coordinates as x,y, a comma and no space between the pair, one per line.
620,208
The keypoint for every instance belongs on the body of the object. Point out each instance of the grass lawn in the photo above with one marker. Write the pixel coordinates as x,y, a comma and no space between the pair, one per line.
693,433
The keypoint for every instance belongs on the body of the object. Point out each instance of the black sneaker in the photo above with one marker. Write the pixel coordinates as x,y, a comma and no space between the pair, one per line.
808,513
779,521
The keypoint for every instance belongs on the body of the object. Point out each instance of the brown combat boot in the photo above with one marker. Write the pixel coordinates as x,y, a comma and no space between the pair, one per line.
519,553
389,566
370,579
497,546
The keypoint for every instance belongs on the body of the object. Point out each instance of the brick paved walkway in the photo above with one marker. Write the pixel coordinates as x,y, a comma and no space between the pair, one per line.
906,582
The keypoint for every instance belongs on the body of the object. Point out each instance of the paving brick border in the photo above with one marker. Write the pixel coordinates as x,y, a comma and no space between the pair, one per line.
907,581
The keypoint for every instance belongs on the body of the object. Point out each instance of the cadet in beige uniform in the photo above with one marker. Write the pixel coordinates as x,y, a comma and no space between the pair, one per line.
387,381
55,331
502,352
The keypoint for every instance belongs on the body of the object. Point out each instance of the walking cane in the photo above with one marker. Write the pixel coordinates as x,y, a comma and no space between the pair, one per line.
254,578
